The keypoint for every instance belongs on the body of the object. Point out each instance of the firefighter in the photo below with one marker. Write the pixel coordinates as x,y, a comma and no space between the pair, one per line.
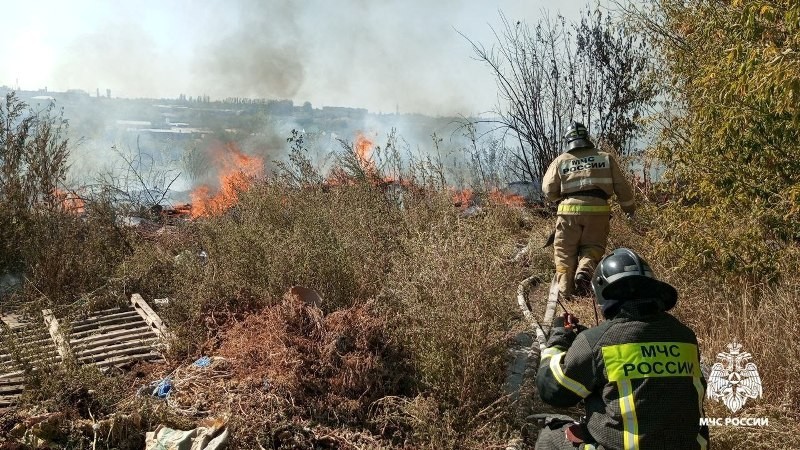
638,373
583,179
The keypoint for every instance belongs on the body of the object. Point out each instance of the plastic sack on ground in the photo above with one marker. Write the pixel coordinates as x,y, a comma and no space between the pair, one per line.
214,436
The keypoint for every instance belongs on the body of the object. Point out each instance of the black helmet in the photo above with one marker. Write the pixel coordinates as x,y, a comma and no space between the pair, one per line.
624,276
577,136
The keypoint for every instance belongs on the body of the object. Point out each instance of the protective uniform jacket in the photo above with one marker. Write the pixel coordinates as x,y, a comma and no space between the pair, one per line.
640,378
582,170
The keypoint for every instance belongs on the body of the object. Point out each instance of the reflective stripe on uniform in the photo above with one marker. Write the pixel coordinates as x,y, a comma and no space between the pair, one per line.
630,427
627,362
701,392
552,351
563,379
703,442
651,359
597,181
628,203
577,209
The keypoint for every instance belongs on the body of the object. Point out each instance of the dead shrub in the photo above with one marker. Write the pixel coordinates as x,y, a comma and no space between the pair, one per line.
451,300
292,360
339,241
67,256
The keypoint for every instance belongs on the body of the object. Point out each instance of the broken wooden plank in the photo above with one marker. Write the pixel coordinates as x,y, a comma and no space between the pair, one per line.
55,332
98,352
30,348
149,316
128,316
13,321
151,356
109,328
141,333
118,354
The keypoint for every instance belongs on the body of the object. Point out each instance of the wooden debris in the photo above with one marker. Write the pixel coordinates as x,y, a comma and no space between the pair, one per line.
108,338
23,346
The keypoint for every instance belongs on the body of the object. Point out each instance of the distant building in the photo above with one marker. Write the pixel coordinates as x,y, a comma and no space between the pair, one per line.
134,124
340,111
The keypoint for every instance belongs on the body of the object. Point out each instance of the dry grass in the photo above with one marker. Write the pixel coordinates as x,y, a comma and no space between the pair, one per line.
408,348
292,373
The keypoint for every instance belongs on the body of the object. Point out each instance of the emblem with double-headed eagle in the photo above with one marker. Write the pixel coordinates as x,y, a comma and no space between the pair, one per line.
734,379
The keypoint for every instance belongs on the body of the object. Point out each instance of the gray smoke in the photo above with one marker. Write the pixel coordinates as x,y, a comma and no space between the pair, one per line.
259,55
379,55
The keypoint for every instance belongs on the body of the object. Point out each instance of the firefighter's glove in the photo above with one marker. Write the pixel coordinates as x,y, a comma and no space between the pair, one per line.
564,330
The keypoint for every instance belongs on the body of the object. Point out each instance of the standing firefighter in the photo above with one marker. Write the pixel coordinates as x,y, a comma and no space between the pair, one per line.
638,372
583,179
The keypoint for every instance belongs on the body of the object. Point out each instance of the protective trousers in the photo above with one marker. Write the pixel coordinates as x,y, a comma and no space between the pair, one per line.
579,244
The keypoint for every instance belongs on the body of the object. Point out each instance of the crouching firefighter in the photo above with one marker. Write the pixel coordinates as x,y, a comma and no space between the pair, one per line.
582,180
638,372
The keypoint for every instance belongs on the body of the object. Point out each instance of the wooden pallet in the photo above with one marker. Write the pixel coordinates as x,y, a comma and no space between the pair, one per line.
111,338
24,344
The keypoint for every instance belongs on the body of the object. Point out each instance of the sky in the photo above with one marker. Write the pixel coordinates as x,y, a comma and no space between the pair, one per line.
386,56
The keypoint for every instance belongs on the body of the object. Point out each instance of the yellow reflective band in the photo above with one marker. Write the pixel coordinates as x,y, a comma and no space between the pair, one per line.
562,379
552,351
701,393
630,427
562,208
651,359
703,442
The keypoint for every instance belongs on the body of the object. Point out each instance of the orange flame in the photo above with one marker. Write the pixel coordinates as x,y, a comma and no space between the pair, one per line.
363,148
180,211
464,198
237,172
70,201
497,196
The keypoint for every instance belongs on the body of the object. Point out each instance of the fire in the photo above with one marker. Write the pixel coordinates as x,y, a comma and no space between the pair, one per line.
497,196
70,201
467,197
464,198
363,148
236,173
180,211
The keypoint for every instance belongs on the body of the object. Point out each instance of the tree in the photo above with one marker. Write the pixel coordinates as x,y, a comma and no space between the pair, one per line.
63,245
33,162
33,165
730,128
138,184
555,73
